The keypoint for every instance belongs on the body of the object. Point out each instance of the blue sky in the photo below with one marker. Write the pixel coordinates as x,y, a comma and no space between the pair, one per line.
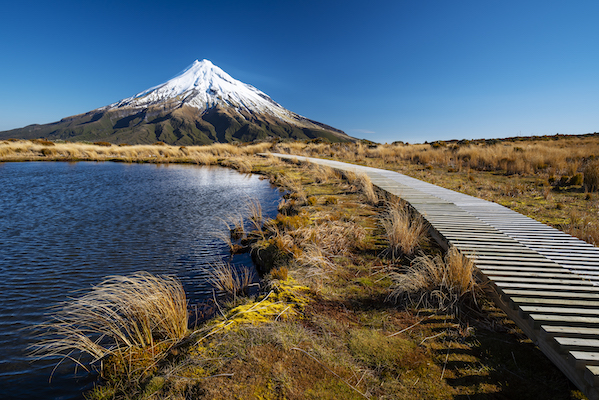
383,70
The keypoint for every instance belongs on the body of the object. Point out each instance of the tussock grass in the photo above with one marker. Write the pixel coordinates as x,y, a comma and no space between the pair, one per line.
437,282
591,176
255,213
367,188
239,157
241,164
117,319
235,225
545,154
230,280
404,230
294,185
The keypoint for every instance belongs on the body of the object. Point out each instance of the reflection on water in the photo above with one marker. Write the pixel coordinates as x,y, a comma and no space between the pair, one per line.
65,226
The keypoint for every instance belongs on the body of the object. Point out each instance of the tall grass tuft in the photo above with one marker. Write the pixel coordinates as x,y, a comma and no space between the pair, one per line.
405,230
254,208
437,282
367,188
591,176
230,280
121,316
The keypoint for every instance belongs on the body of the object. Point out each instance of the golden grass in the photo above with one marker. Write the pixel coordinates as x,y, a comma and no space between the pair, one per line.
367,188
254,209
238,157
439,282
230,280
116,319
404,230
591,176
565,156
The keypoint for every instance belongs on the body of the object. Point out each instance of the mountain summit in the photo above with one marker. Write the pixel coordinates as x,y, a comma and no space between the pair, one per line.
201,105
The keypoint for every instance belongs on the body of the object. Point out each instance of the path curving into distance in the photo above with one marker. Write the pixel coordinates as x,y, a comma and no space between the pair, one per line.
545,280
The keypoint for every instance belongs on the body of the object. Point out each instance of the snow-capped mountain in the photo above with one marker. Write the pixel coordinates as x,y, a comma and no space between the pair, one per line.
203,85
201,105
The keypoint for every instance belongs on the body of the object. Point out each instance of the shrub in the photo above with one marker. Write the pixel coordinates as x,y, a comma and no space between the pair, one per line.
105,144
280,273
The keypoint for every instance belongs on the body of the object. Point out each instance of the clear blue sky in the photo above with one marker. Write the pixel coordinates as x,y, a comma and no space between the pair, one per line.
382,70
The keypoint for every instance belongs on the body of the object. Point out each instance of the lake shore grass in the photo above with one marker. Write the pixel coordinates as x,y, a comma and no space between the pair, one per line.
331,319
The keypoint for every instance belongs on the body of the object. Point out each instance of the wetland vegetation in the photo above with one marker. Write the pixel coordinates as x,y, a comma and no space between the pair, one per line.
355,300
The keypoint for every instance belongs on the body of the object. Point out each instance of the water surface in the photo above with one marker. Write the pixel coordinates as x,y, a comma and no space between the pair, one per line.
66,226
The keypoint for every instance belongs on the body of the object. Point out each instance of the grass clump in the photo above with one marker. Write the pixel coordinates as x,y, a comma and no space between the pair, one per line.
404,230
124,318
230,280
367,188
591,176
436,282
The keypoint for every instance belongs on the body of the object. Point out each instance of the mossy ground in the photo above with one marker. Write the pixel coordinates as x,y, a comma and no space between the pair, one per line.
334,335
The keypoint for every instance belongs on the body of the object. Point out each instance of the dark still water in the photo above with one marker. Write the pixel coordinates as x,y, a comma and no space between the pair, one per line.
66,226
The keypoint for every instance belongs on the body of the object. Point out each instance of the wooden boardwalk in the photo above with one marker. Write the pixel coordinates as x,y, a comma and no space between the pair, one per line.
545,280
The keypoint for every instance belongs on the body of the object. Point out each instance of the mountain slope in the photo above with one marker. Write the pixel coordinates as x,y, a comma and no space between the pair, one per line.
201,105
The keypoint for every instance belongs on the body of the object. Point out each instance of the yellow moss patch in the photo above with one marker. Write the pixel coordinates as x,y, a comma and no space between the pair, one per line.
287,300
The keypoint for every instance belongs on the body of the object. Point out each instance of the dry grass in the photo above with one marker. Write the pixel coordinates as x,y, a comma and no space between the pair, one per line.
254,209
239,157
591,176
294,185
118,318
405,230
230,280
367,188
565,156
436,282
235,225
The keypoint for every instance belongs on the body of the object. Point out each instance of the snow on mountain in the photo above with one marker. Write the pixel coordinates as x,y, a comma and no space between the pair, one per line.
203,85
201,105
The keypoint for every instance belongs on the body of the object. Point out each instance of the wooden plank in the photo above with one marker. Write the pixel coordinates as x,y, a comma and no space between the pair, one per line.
570,320
507,269
547,332
558,310
546,275
564,302
556,281
580,359
556,287
591,375
551,294
567,344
